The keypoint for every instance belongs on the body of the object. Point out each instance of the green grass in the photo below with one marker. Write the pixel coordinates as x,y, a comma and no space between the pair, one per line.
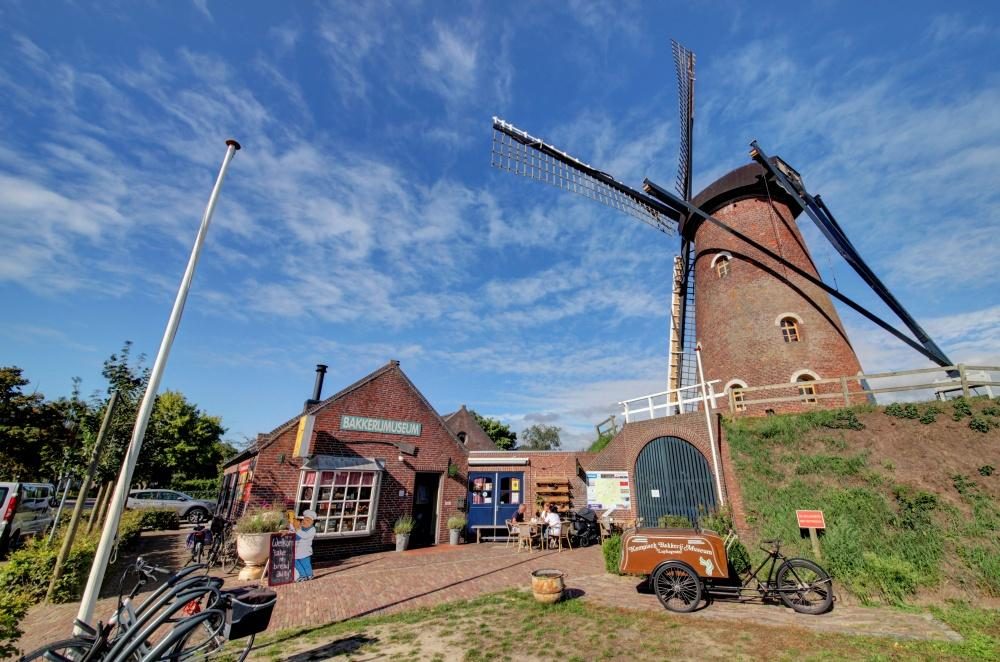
576,629
884,541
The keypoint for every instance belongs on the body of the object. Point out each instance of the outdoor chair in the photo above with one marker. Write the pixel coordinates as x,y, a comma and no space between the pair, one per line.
511,533
605,529
564,534
524,537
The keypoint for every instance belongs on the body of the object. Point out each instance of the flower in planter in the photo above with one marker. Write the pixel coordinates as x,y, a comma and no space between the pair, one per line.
261,521
457,521
404,525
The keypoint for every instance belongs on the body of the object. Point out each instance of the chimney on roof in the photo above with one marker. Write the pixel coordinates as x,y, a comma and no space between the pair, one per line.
317,387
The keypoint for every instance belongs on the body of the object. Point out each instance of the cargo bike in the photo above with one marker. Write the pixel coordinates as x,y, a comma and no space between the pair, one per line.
685,564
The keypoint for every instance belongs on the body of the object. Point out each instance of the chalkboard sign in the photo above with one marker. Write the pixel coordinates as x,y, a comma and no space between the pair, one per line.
282,559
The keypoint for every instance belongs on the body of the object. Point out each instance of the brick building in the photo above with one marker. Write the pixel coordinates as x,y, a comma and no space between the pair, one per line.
361,458
758,322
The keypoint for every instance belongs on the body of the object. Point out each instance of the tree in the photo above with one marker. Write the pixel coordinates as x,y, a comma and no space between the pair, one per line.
185,442
541,437
500,433
36,436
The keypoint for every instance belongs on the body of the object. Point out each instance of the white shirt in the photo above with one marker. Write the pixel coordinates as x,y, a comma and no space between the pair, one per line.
304,542
555,526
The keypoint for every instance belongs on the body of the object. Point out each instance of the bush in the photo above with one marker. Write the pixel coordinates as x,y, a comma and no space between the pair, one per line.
403,525
612,550
261,521
197,485
991,411
961,407
674,522
160,519
14,606
129,527
930,415
979,424
457,521
901,410
986,470
842,419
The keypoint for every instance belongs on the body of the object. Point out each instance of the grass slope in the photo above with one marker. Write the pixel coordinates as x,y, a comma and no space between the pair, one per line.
909,493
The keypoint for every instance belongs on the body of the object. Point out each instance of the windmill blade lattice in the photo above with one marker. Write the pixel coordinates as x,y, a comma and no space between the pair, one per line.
518,152
684,64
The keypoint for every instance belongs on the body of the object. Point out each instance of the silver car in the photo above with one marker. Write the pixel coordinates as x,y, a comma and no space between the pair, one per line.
187,507
25,510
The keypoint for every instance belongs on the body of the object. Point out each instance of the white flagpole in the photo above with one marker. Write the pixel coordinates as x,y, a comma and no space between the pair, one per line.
97,570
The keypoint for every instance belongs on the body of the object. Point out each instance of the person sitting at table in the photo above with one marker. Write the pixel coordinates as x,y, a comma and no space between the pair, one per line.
519,515
553,524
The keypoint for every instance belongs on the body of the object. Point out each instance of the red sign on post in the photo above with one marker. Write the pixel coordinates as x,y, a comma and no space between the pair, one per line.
810,519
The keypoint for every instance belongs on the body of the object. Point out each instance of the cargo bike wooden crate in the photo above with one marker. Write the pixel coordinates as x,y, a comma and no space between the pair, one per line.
685,564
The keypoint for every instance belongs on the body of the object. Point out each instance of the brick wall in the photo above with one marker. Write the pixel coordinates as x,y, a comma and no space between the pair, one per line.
736,315
623,451
391,395
541,465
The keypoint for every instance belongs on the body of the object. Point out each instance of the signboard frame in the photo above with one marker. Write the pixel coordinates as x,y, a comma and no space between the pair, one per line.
282,571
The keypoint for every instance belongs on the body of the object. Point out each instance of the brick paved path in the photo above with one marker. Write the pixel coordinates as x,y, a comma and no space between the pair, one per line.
390,581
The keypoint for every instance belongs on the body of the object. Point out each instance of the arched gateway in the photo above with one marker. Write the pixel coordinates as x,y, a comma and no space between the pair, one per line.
672,478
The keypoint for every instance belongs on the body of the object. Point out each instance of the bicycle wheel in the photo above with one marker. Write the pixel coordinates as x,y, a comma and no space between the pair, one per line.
230,559
65,649
677,587
804,586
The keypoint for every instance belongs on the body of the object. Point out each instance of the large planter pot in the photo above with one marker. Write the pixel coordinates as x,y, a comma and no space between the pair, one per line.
254,549
402,540
547,585
453,536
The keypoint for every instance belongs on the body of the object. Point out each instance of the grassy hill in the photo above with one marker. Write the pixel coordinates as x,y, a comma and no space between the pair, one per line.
910,493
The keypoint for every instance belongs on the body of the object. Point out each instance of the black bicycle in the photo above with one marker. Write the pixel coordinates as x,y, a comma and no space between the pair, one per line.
799,583
222,551
188,617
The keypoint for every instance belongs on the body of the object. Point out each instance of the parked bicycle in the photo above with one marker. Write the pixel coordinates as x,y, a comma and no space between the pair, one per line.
685,563
187,617
222,550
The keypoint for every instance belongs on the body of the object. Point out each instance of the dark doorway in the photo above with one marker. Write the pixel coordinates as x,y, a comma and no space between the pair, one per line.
425,493
672,478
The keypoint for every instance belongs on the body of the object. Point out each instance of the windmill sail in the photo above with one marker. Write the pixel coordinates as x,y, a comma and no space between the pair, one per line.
684,64
518,152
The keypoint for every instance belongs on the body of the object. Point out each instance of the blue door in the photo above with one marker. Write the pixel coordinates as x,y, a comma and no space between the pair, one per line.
494,497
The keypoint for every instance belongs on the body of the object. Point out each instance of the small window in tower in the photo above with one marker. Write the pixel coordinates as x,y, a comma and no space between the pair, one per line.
739,400
462,437
807,391
722,266
789,330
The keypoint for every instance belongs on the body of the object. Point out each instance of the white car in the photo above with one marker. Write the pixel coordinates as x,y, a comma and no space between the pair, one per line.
187,507
25,510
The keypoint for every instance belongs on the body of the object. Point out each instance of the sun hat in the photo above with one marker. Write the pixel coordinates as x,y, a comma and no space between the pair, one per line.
311,514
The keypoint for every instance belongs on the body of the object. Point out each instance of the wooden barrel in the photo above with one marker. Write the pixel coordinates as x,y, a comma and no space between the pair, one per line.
547,585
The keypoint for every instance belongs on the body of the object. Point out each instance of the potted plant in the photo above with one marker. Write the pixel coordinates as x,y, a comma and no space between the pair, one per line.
456,523
402,528
253,539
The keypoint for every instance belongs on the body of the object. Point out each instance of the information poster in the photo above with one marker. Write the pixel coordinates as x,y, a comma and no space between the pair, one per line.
281,565
608,489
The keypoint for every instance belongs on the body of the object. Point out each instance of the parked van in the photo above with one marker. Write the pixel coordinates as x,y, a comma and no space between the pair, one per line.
25,510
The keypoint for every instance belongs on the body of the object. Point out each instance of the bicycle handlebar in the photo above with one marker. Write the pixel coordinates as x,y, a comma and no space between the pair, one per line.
771,545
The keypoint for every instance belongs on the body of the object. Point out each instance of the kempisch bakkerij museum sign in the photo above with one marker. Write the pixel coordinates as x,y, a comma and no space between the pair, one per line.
383,425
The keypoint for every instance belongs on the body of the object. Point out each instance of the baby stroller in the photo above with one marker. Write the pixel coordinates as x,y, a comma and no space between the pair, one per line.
584,528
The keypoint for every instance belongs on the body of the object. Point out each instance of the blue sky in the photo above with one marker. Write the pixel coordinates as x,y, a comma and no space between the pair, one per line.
362,222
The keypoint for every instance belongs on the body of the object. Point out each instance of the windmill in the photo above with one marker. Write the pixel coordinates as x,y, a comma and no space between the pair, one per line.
709,219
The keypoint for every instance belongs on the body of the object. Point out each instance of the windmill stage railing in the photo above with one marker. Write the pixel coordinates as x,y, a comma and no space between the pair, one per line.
849,390
669,403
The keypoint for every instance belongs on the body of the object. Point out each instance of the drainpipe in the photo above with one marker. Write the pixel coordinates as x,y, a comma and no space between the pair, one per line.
708,423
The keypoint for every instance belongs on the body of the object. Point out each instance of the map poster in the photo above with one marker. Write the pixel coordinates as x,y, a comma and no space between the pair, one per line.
608,489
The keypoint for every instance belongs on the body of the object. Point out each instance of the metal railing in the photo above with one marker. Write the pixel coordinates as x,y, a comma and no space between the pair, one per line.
672,401
969,378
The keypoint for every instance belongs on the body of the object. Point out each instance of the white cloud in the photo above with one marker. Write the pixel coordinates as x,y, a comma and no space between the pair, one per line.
451,61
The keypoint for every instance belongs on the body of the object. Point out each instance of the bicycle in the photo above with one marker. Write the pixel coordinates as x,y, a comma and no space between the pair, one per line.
223,549
188,616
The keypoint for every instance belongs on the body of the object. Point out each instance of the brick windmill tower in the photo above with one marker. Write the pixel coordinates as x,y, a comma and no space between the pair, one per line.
746,290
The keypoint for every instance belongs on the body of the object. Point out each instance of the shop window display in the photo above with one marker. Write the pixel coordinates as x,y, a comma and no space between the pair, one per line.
344,500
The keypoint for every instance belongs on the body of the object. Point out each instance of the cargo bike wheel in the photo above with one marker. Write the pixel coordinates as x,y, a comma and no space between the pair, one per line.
804,586
677,586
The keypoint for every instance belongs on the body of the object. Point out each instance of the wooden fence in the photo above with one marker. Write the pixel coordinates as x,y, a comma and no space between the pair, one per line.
959,377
